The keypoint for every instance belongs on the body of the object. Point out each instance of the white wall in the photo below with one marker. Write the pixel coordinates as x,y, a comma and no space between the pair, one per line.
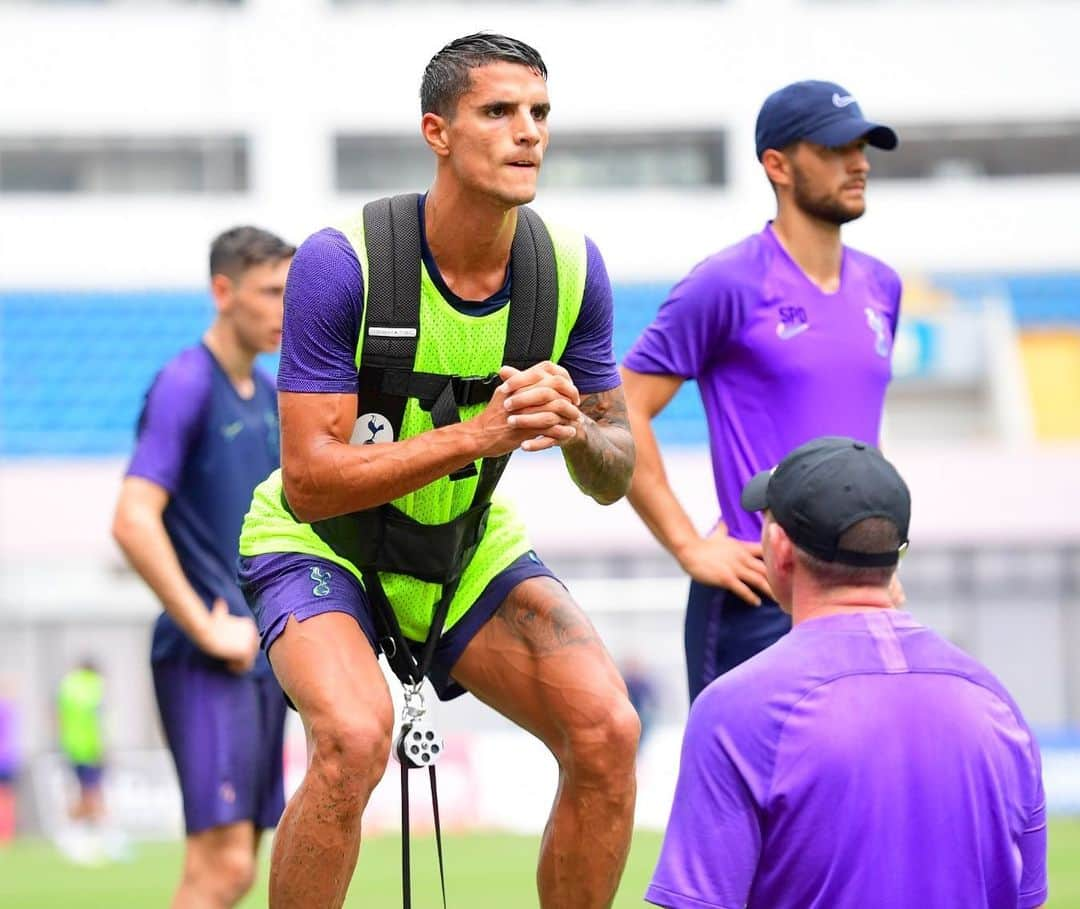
291,72
962,493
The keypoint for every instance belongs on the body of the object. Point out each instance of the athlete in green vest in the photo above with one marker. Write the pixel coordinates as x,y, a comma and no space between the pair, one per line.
370,501
79,703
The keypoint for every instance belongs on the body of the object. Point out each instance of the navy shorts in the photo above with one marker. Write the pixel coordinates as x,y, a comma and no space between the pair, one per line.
89,775
279,585
723,630
226,733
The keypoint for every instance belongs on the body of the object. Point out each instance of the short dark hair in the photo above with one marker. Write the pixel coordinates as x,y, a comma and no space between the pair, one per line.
870,535
446,77
239,248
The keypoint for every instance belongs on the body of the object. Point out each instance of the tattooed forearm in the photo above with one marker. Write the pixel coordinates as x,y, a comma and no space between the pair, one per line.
601,457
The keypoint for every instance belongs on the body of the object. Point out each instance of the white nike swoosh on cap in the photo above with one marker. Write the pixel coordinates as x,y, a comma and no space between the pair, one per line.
842,100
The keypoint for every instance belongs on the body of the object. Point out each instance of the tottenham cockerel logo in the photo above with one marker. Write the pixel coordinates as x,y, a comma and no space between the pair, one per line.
371,429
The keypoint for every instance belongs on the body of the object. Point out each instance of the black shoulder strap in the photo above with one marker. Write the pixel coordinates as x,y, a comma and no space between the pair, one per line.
534,293
392,309
392,323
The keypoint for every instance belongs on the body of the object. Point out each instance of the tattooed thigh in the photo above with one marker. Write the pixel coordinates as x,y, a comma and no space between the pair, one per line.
541,613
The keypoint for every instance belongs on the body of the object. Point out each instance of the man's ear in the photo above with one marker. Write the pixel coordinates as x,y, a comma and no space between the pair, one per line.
781,547
777,167
435,131
221,288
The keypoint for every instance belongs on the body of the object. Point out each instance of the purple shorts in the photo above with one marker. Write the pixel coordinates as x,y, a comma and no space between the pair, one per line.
279,585
226,733
89,775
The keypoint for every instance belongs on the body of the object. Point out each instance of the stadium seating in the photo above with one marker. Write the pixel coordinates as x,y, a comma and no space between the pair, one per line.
74,365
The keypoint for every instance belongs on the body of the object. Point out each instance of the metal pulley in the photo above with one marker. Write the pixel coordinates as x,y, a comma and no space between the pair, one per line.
418,743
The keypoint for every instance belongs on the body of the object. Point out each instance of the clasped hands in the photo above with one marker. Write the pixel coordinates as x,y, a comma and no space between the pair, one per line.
534,409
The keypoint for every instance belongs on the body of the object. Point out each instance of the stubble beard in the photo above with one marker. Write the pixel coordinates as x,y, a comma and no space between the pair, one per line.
827,208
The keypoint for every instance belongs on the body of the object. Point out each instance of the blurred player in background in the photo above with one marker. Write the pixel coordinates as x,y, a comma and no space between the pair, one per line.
789,336
862,760
642,690
513,635
79,702
10,756
208,433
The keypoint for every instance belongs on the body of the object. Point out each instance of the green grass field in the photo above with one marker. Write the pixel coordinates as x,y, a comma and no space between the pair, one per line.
485,872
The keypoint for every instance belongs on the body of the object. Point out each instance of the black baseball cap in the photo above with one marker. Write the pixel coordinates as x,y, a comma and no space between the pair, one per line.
819,112
827,486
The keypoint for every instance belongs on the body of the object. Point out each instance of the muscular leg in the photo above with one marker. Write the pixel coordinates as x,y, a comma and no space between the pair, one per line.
328,669
540,663
219,867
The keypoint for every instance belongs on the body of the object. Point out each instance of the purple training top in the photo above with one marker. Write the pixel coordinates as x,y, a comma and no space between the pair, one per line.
208,448
778,362
860,761
324,299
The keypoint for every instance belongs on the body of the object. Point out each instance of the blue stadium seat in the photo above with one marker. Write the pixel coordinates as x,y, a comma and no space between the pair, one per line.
74,365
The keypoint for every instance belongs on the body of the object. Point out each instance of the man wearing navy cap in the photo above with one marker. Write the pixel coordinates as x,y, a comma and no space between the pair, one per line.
789,335
862,760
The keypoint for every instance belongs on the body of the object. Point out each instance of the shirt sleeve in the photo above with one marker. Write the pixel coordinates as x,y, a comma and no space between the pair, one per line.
590,352
1033,881
690,329
170,422
713,839
324,302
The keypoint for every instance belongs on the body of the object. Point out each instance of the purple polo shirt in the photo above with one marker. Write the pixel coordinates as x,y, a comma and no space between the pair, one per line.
778,362
324,301
861,760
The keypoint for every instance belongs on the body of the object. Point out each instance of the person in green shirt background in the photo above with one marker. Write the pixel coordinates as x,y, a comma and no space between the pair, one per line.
82,741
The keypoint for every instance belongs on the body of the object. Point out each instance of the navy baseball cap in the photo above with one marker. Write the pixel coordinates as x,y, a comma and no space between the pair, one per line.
825,487
819,112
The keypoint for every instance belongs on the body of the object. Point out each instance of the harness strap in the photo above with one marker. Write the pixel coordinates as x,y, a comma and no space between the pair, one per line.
427,386
438,832
534,300
407,668
406,876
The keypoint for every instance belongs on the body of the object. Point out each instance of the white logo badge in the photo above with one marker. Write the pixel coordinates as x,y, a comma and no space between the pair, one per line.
877,324
377,331
787,332
232,430
371,429
842,100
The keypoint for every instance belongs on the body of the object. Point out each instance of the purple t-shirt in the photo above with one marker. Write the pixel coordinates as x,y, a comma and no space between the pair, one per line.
778,362
208,448
860,761
324,301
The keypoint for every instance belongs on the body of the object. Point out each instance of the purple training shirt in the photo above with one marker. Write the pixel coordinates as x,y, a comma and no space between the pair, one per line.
861,761
324,303
208,448
778,362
